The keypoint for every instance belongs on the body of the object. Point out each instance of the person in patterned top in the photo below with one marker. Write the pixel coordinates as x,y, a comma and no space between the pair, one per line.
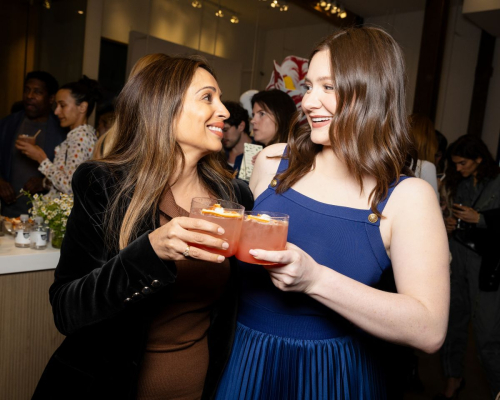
75,102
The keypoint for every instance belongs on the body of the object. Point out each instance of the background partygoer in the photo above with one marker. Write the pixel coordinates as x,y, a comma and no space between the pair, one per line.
16,170
473,182
75,102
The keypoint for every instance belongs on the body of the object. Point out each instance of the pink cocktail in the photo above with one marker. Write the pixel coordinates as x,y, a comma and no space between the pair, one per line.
262,230
226,214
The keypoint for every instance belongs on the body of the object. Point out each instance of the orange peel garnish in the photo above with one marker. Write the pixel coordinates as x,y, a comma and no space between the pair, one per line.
259,218
217,211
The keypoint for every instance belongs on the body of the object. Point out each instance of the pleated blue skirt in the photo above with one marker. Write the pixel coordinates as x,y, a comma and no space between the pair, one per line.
265,366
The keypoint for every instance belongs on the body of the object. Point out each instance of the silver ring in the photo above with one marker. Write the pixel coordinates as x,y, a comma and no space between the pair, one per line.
186,252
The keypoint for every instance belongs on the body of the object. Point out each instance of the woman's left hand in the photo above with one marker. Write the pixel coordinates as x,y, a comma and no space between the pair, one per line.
296,270
466,214
32,151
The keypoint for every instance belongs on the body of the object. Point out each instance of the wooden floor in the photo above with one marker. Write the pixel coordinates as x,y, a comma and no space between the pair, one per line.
431,375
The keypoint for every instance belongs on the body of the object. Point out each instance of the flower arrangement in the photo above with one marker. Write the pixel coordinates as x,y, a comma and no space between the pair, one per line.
54,211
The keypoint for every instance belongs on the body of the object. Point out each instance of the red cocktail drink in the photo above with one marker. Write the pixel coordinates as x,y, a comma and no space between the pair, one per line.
226,214
262,230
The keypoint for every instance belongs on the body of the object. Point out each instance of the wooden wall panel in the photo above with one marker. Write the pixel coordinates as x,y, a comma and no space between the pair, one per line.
28,336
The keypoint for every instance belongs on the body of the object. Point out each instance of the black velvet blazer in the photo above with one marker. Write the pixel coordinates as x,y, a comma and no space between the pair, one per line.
104,301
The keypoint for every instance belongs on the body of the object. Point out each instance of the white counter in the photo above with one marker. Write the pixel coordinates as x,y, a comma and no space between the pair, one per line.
14,259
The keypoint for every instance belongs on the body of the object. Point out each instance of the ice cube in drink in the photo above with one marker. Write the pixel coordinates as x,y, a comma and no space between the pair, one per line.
227,214
262,230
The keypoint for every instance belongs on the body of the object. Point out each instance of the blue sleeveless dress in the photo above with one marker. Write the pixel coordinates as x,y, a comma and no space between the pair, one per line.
289,346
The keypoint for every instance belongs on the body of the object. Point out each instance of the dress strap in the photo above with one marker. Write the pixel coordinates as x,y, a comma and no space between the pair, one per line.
392,186
282,167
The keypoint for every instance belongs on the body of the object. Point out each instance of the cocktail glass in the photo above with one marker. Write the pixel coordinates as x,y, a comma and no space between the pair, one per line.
262,230
28,139
226,214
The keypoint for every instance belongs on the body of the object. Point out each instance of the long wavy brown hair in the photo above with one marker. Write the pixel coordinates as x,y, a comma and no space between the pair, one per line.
145,155
369,130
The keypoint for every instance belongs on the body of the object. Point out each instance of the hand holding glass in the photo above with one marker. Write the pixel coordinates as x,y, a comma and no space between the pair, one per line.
227,214
263,230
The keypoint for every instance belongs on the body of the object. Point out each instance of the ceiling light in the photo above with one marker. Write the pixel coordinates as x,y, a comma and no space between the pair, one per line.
46,4
80,12
219,13
234,19
343,15
284,7
322,4
196,4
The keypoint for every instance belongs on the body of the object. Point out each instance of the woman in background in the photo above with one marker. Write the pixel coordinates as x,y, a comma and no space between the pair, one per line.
306,326
425,141
473,181
273,113
146,315
75,103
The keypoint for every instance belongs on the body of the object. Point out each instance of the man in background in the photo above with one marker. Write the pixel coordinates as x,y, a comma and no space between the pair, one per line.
16,170
236,133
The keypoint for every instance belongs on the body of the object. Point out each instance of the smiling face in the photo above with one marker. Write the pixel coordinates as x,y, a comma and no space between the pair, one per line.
200,123
320,101
36,100
70,114
466,166
264,125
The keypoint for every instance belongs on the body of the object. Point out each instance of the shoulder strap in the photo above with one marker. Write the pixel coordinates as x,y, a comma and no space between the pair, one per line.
392,186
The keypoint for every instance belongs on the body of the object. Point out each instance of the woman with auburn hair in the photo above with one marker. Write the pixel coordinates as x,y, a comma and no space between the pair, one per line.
305,325
147,316
106,141
424,138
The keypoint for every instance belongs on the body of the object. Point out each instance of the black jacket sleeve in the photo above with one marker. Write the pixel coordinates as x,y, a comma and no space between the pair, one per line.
92,285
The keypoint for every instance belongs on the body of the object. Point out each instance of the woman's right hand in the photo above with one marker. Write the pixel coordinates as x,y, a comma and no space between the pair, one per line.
451,224
170,241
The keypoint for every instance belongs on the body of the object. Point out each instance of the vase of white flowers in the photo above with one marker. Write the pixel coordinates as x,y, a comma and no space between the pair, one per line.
55,213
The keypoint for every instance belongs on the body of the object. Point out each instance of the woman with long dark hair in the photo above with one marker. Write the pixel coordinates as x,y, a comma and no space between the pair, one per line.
273,113
473,183
146,315
75,103
305,325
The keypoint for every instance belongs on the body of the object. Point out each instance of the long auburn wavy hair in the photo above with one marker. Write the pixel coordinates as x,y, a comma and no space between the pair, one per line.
369,130
145,155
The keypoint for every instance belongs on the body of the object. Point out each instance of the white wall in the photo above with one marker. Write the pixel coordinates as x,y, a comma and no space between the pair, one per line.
457,78
180,23
276,44
406,28
491,127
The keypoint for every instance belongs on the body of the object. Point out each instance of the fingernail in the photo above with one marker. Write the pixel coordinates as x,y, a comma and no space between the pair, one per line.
253,252
220,258
225,245
221,231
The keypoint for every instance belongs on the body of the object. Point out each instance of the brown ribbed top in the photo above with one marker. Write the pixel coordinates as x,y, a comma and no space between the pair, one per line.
176,358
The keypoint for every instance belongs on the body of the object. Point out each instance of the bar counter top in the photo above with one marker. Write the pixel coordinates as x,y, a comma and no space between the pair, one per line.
14,260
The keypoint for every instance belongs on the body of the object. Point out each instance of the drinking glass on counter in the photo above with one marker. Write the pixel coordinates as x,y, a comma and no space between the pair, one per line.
262,230
227,214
